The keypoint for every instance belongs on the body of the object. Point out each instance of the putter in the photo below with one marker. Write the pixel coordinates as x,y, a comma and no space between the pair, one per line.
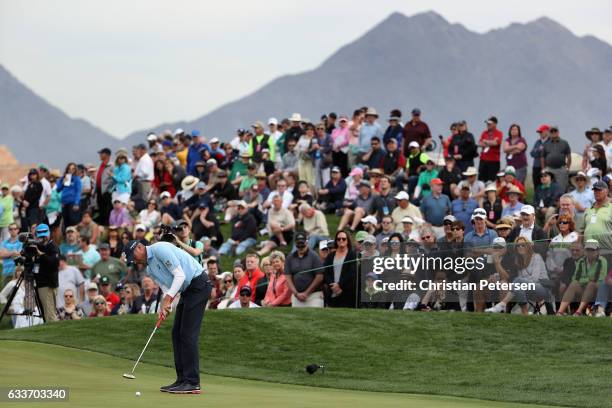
131,375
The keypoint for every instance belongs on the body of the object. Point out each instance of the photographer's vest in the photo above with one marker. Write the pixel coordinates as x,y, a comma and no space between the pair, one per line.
582,269
260,143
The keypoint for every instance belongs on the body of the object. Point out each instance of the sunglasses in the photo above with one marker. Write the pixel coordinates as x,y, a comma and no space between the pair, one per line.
394,243
456,229
68,296
563,222
99,303
227,281
447,223
341,239
426,237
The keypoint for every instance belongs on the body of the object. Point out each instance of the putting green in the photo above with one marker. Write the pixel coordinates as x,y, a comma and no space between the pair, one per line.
95,380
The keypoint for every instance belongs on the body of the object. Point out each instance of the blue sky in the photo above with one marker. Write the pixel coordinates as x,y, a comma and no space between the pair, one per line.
126,65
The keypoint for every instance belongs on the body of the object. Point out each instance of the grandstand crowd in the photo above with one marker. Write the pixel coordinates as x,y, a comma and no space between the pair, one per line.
309,204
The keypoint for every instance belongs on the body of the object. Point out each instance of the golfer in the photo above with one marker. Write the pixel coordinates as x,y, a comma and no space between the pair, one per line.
177,272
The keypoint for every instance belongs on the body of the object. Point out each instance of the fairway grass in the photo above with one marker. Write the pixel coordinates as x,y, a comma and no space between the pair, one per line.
540,360
95,380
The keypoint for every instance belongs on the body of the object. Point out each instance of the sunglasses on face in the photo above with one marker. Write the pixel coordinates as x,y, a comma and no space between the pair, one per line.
227,281
447,223
100,303
563,222
426,237
341,239
68,296
456,229
394,243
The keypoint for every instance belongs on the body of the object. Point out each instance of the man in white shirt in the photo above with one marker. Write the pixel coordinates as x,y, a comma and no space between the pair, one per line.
71,278
244,301
143,169
281,189
44,180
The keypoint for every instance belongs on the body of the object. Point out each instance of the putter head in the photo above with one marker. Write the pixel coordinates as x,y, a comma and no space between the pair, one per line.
130,376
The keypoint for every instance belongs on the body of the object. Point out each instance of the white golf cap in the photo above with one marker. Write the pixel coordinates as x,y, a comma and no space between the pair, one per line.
178,131
241,203
499,241
211,161
528,209
140,227
152,137
214,140
414,144
165,194
408,219
479,213
402,195
450,218
591,244
272,121
370,219
296,117
370,239
92,286
323,244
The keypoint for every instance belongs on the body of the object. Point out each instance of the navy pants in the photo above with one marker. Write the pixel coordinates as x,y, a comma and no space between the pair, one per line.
186,329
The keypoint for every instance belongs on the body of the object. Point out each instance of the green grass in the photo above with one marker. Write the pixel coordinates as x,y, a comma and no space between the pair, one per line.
95,380
542,360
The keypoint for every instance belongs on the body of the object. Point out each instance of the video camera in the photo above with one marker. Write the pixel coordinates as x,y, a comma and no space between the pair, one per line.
29,252
166,232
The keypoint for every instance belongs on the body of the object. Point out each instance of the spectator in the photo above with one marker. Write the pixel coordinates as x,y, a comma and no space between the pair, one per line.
374,156
404,209
423,187
244,232
70,187
435,206
477,187
87,304
169,210
259,142
463,207
109,266
595,139
531,269
463,147
557,157
508,181
393,162
278,293
244,300
281,225
559,248
537,153
6,211
304,274
450,176
194,153
163,180
357,208
103,183
130,300
100,308
490,141
69,278
121,175
281,191
388,228
341,273
31,213
88,256
47,277
384,203
69,310
493,206
368,130
530,230
314,223
149,216
110,297
88,228
306,152
395,129
583,196
331,197
416,131
514,197
415,161
253,278
598,219
408,233
515,148
546,195
590,272
119,216
9,250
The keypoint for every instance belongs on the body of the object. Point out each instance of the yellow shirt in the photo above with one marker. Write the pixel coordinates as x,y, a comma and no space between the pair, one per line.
182,157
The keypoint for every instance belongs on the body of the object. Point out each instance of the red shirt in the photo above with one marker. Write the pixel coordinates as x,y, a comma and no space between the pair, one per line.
491,153
503,193
251,282
113,299
99,176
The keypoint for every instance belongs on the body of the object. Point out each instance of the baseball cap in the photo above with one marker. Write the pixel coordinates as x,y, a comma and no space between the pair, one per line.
151,137
450,218
104,245
323,244
408,219
356,171
490,187
371,275
591,244
414,144
402,195
257,124
491,119
542,128
499,242
140,227
364,183
211,161
370,219
128,250
92,286
370,239
510,170
527,209
360,236
165,194
104,150
479,213
335,169
272,121
301,236
104,280
241,203
416,111
71,229
245,291
600,185
436,181
201,185
42,230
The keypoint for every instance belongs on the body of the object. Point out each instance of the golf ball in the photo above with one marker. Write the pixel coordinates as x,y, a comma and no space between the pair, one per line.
138,393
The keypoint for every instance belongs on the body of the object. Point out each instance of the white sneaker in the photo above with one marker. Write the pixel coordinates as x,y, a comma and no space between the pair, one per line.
600,312
263,231
498,308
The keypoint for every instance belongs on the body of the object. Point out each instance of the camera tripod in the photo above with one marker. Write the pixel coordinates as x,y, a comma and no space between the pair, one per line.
31,300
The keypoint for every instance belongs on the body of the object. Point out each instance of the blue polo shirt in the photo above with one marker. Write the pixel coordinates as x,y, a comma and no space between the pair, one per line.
434,209
163,258
462,210
8,264
473,240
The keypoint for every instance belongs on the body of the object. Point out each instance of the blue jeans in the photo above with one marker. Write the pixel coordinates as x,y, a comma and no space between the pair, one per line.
604,293
522,296
227,246
313,241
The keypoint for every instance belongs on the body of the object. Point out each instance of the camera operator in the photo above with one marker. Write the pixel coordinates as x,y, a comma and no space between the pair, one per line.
47,276
182,239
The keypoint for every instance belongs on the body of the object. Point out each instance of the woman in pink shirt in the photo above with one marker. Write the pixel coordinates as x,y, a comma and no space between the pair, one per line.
340,140
278,293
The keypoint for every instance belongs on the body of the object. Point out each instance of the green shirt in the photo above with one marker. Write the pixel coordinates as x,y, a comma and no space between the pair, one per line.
425,178
6,202
238,167
113,268
271,143
246,183
586,273
598,225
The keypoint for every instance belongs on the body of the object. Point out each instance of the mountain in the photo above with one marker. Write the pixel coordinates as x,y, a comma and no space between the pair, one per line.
37,132
532,73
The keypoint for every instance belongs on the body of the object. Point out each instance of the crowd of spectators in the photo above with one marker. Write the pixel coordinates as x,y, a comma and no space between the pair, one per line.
390,189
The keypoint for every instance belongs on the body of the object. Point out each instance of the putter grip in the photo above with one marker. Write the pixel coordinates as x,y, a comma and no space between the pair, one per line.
159,322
